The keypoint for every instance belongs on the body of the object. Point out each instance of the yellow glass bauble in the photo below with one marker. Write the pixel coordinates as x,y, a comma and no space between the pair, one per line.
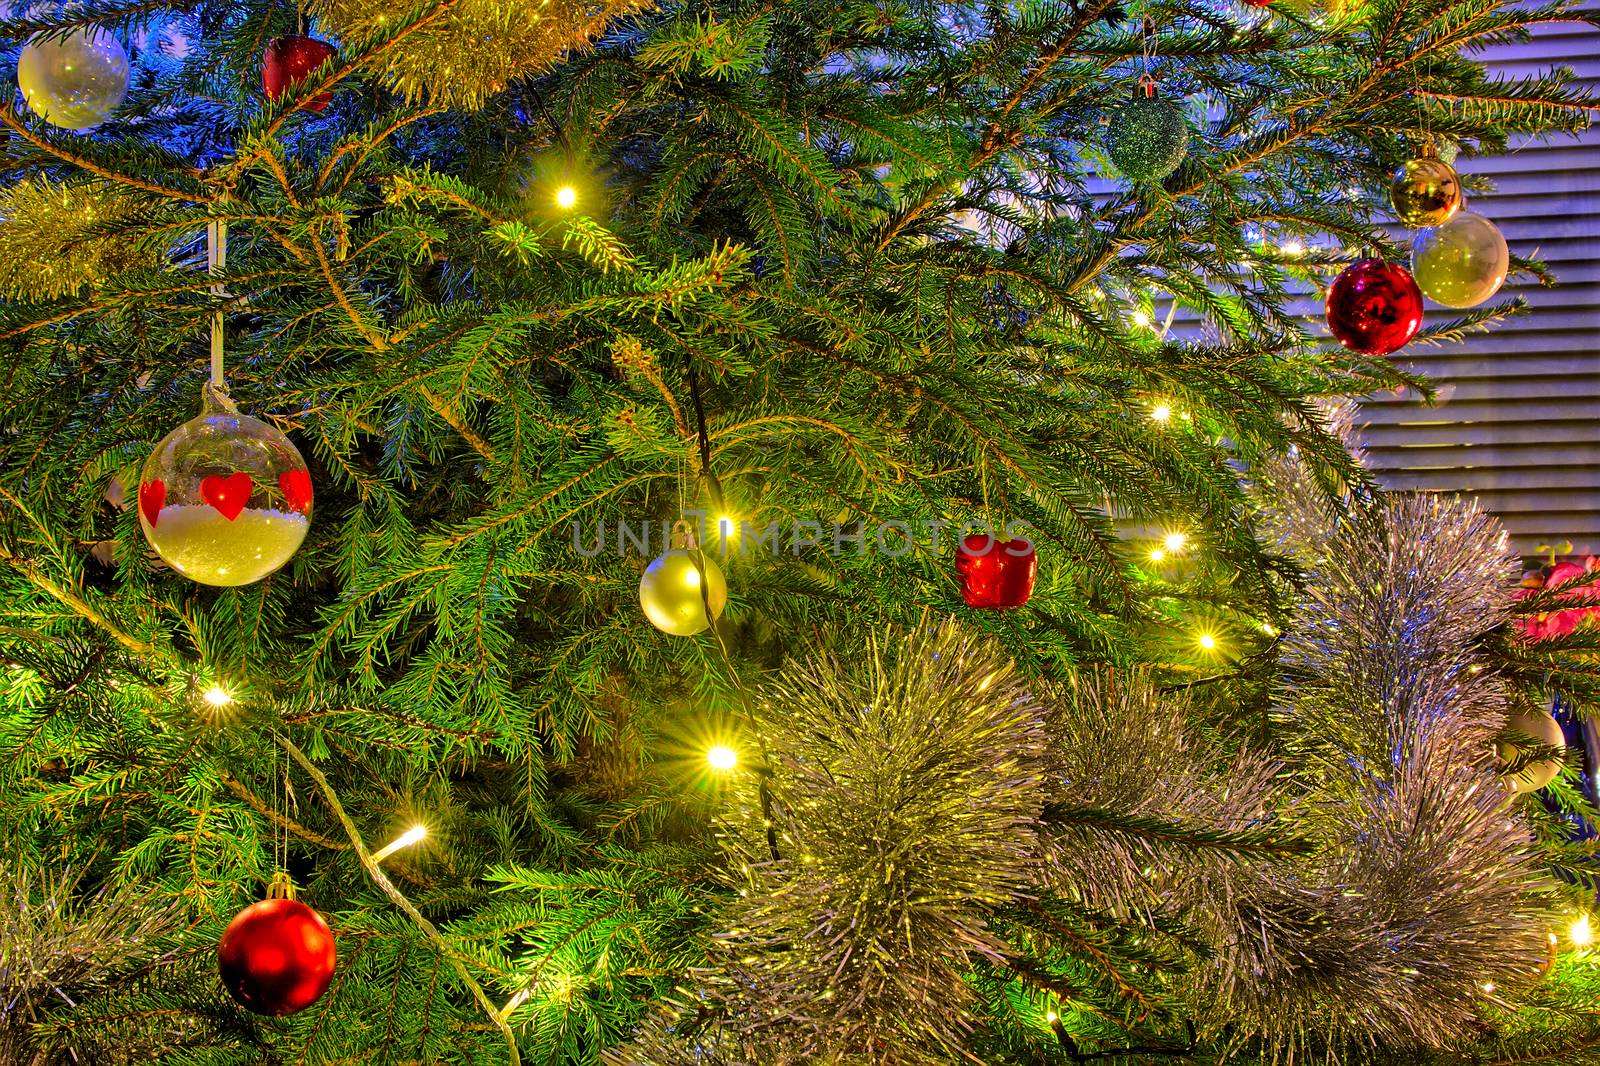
1539,726
1425,192
1461,263
225,499
671,597
75,81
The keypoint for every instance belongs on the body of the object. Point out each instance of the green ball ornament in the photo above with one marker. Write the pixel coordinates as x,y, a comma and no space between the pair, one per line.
1541,727
76,81
1148,138
1461,263
671,597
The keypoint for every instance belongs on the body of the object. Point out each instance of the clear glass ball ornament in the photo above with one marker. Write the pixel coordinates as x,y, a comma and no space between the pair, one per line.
1461,263
75,81
225,499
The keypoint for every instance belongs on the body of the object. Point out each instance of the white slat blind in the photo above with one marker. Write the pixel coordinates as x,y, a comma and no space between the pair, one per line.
1517,423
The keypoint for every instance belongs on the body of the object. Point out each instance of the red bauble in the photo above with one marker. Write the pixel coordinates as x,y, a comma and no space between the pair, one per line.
996,573
1258,3
288,62
1374,307
276,957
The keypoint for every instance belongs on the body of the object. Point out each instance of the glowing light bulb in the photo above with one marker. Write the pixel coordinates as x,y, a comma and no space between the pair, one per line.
1293,247
217,696
1157,554
1175,542
1051,1017
1580,933
723,758
566,197
1141,320
1208,642
1488,986
1160,412
411,836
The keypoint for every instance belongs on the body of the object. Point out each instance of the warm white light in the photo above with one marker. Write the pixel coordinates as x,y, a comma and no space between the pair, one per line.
1488,986
1160,412
1156,555
411,836
1580,934
1175,542
566,197
722,758
218,696
1266,627
1208,642
1051,1016
1293,247
1141,320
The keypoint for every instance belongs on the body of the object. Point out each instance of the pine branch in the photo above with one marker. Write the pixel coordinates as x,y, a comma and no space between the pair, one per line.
379,878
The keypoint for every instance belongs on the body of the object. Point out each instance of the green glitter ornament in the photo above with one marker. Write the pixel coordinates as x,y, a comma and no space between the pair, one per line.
1148,138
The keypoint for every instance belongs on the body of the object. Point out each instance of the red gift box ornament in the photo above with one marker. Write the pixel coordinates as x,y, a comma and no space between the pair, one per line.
289,61
996,573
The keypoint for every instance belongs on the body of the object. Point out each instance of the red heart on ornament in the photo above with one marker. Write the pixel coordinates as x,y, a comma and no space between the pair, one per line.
227,494
296,486
152,496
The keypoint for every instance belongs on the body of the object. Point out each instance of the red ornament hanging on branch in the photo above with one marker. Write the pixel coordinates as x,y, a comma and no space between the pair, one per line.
277,957
289,61
1374,307
996,574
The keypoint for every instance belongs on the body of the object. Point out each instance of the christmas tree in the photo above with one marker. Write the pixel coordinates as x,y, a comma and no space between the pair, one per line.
702,534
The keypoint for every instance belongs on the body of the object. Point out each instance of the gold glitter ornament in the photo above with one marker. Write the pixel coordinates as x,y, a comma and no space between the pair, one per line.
1425,192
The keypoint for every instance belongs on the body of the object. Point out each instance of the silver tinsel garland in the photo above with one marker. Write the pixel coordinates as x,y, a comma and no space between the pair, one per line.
904,790
1424,902
916,793
60,946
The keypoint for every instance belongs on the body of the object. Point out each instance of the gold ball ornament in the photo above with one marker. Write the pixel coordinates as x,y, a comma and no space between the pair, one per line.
671,596
1461,263
75,81
1425,192
1539,726
225,499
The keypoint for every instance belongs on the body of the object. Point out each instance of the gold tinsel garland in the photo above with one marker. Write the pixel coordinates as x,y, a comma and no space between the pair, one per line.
477,47
57,239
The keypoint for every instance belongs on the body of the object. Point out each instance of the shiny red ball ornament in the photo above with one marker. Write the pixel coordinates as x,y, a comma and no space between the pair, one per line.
276,957
289,61
996,573
1374,307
